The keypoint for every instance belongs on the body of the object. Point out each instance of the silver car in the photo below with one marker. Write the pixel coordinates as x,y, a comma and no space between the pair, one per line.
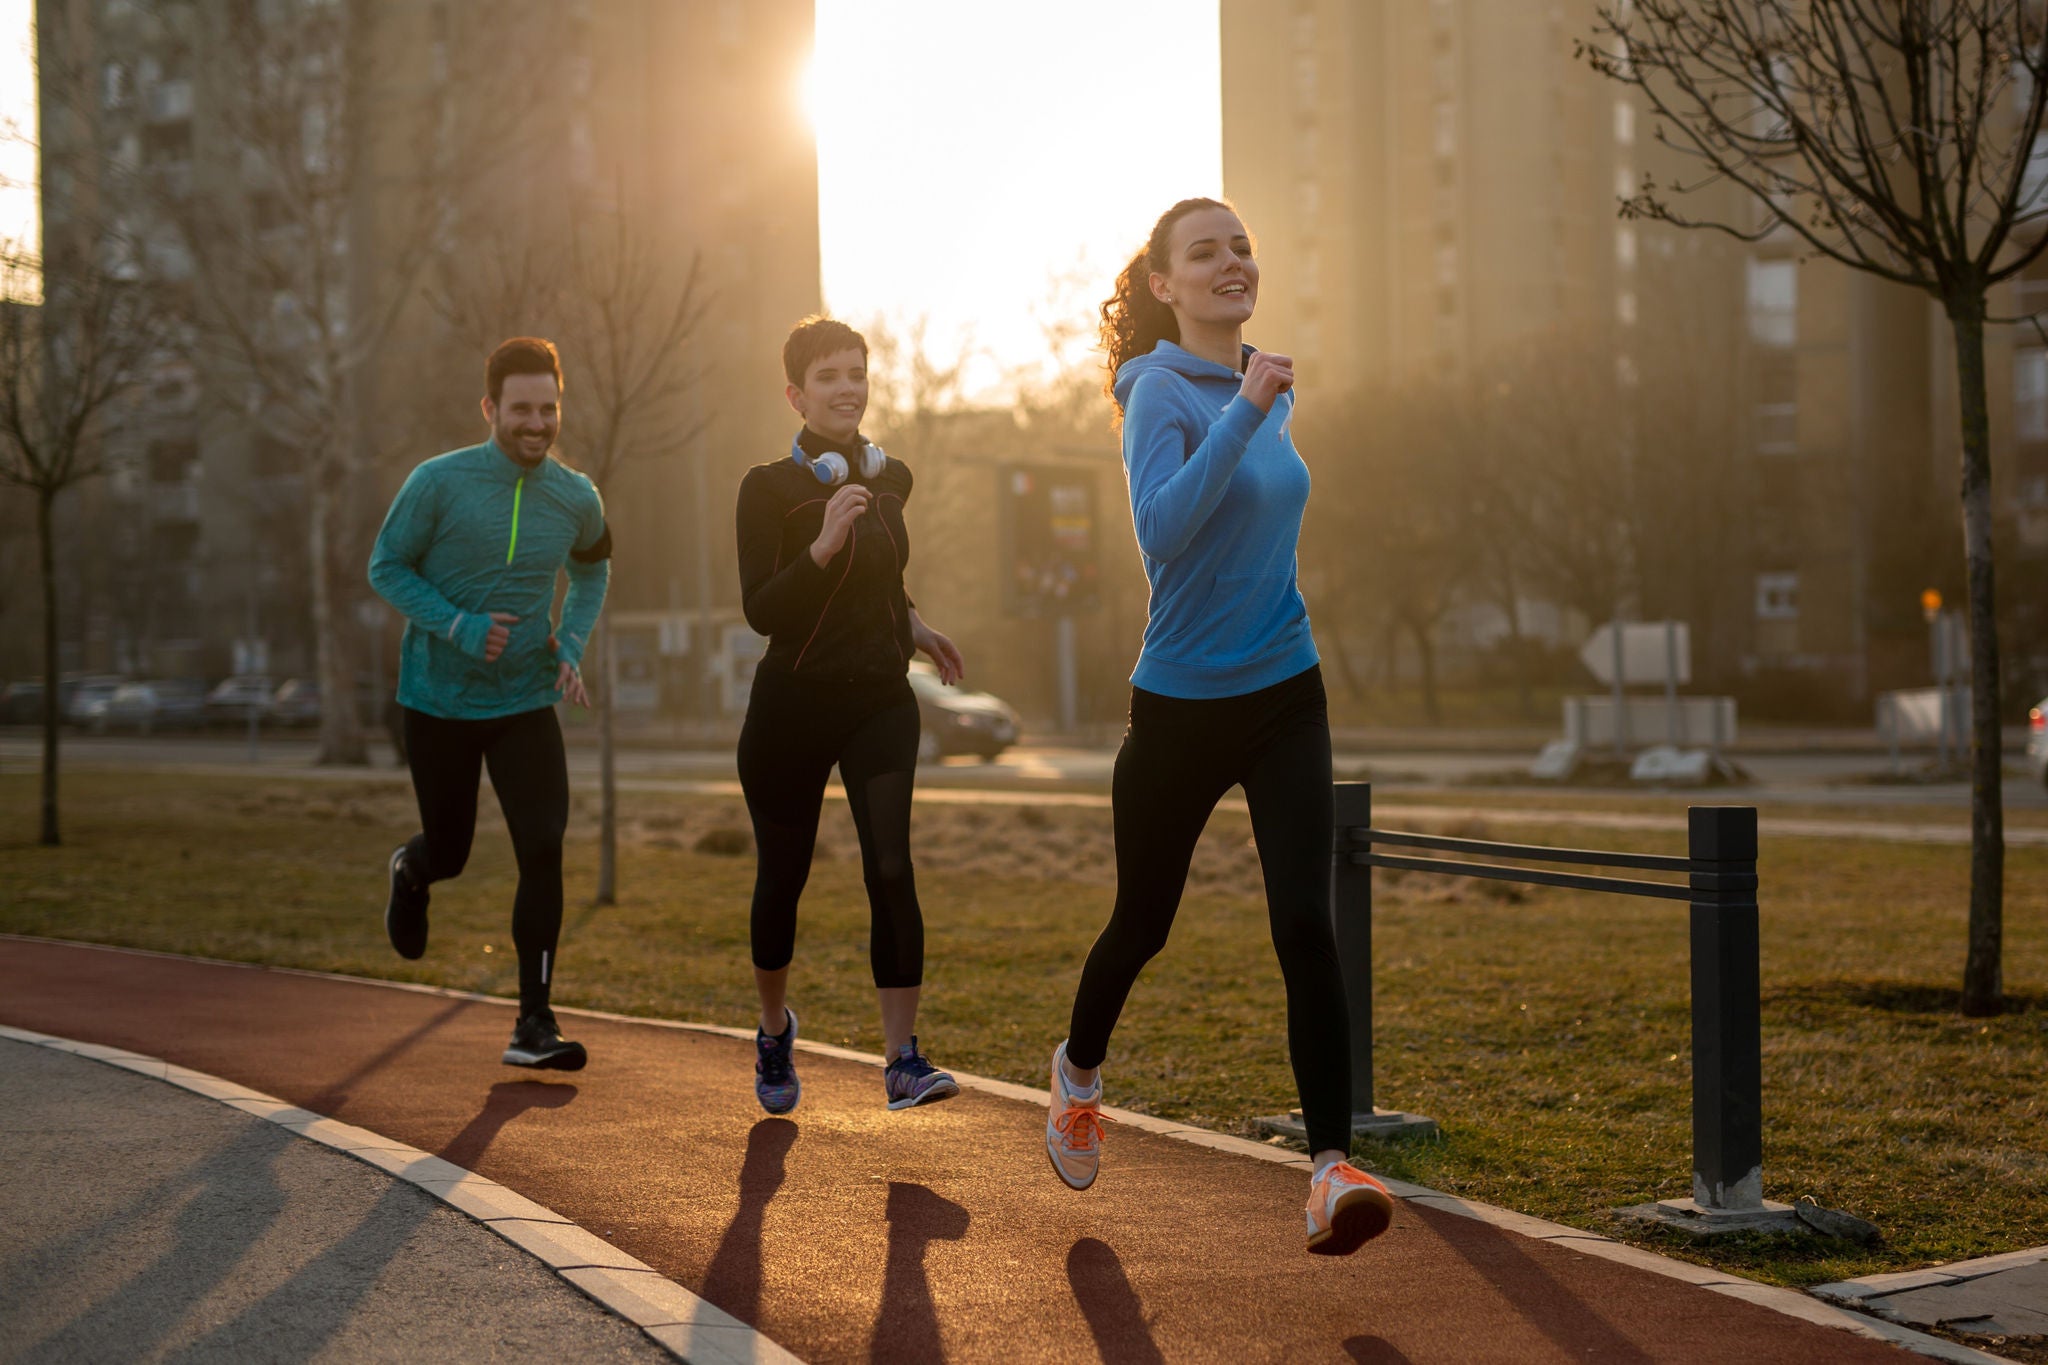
2037,741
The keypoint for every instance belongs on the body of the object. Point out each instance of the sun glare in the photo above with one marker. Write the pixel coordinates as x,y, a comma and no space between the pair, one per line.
809,83
989,185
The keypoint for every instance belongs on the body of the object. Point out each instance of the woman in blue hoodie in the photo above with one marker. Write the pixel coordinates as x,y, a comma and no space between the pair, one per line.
1227,690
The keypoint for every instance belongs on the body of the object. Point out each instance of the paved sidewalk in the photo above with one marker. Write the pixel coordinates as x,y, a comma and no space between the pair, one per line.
1994,1297
853,1233
141,1222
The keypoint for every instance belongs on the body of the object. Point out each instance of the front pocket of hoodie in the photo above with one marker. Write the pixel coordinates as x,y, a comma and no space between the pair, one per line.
1246,614
1184,633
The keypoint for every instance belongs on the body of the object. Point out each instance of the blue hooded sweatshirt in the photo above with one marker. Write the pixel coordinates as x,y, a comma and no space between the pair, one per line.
1217,495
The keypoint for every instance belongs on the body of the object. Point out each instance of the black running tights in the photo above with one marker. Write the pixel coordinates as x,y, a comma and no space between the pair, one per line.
1178,759
530,774
793,734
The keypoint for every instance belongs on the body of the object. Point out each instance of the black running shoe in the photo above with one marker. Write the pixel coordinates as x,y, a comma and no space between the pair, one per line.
537,1042
405,915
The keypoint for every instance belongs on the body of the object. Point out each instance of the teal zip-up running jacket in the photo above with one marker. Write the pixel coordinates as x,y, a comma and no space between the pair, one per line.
471,533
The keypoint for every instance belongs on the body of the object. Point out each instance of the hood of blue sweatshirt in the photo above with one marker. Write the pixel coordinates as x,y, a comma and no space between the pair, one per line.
1217,495
1170,357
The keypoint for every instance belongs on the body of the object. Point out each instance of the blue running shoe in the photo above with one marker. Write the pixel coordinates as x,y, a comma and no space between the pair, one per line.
911,1079
775,1082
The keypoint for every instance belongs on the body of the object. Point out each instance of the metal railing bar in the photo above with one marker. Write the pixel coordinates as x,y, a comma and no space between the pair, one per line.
1650,862
1533,876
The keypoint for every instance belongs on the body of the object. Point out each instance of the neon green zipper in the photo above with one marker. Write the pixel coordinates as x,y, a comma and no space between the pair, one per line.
518,489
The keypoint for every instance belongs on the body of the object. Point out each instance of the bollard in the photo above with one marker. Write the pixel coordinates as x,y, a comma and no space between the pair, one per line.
1351,915
1727,1029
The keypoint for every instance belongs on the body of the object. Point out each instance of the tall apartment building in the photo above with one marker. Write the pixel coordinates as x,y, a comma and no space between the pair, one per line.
1435,182
516,118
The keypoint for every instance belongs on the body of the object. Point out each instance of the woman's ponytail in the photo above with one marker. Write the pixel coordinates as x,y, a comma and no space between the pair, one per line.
1133,321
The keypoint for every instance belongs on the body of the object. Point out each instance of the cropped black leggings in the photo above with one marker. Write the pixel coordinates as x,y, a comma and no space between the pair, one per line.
795,731
530,774
1178,759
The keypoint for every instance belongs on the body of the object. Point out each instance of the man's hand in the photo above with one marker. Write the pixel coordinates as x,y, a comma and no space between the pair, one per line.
1266,378
943,652
500,635
846,507
569,683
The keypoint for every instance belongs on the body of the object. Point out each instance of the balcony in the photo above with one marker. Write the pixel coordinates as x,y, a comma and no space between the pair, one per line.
169,101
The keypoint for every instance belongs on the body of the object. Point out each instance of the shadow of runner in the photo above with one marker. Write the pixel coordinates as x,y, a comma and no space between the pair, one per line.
228,1202
1115,1314
907,1327
508,1100
1375,1351
1575,1325
295,1320
328,1100
733,1280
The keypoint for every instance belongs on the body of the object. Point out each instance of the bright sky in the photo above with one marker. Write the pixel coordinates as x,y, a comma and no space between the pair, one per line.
984,166
989,166
18,218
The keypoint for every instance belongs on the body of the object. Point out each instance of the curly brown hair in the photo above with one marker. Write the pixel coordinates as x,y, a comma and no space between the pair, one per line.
1133,321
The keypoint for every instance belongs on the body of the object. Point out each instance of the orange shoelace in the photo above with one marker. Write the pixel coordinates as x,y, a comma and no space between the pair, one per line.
1080,1126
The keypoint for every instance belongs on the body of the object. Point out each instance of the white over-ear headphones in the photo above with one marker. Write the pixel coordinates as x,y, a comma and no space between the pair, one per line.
831,468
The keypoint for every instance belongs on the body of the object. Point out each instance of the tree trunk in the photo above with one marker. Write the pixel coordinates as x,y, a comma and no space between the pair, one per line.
47,547
341,733
1983,972
607,784
1425,654
1518,649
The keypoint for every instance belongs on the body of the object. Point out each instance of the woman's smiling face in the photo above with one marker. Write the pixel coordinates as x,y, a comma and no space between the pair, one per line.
1211,276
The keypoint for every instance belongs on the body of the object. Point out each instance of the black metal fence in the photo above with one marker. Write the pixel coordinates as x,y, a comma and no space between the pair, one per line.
1721,887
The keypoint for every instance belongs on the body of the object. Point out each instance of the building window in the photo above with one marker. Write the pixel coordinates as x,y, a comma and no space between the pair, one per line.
1777,428
1774,303
1624,123
1625,308
1777,597
1625,247
2030,393
1446,129
1305,81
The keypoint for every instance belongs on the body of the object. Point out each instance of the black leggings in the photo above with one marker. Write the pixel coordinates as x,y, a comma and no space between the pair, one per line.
1178,759
795,731
530,774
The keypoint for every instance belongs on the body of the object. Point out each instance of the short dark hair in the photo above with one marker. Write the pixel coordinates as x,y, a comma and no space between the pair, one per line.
521,355
813,339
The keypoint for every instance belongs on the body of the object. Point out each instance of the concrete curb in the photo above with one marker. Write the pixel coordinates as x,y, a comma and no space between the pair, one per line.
686,1326
1790,1302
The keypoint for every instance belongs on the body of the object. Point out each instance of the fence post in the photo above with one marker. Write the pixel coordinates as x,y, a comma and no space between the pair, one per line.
1351,913
1727,1028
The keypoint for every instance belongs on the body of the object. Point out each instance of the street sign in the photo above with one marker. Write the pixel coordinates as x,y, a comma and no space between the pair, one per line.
1649,653
1047,540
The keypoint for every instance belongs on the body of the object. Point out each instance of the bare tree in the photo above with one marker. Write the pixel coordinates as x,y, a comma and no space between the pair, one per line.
65,364
1896,137
625,319
338,154
1387,530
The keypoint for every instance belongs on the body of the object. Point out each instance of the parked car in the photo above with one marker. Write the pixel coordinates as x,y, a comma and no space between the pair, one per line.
2037,741
131,706
181,703
162,704
957,720
297,702
21,704
88,700
232,700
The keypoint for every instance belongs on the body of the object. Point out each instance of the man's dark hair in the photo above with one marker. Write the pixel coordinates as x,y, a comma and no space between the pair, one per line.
521,355
812,340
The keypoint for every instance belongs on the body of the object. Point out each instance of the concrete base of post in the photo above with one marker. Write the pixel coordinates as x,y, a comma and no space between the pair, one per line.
1380,1123
1700,1220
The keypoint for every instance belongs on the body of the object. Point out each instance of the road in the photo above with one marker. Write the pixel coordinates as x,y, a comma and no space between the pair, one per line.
1815,778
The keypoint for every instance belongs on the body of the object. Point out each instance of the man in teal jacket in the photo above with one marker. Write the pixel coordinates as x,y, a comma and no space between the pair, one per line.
468,555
